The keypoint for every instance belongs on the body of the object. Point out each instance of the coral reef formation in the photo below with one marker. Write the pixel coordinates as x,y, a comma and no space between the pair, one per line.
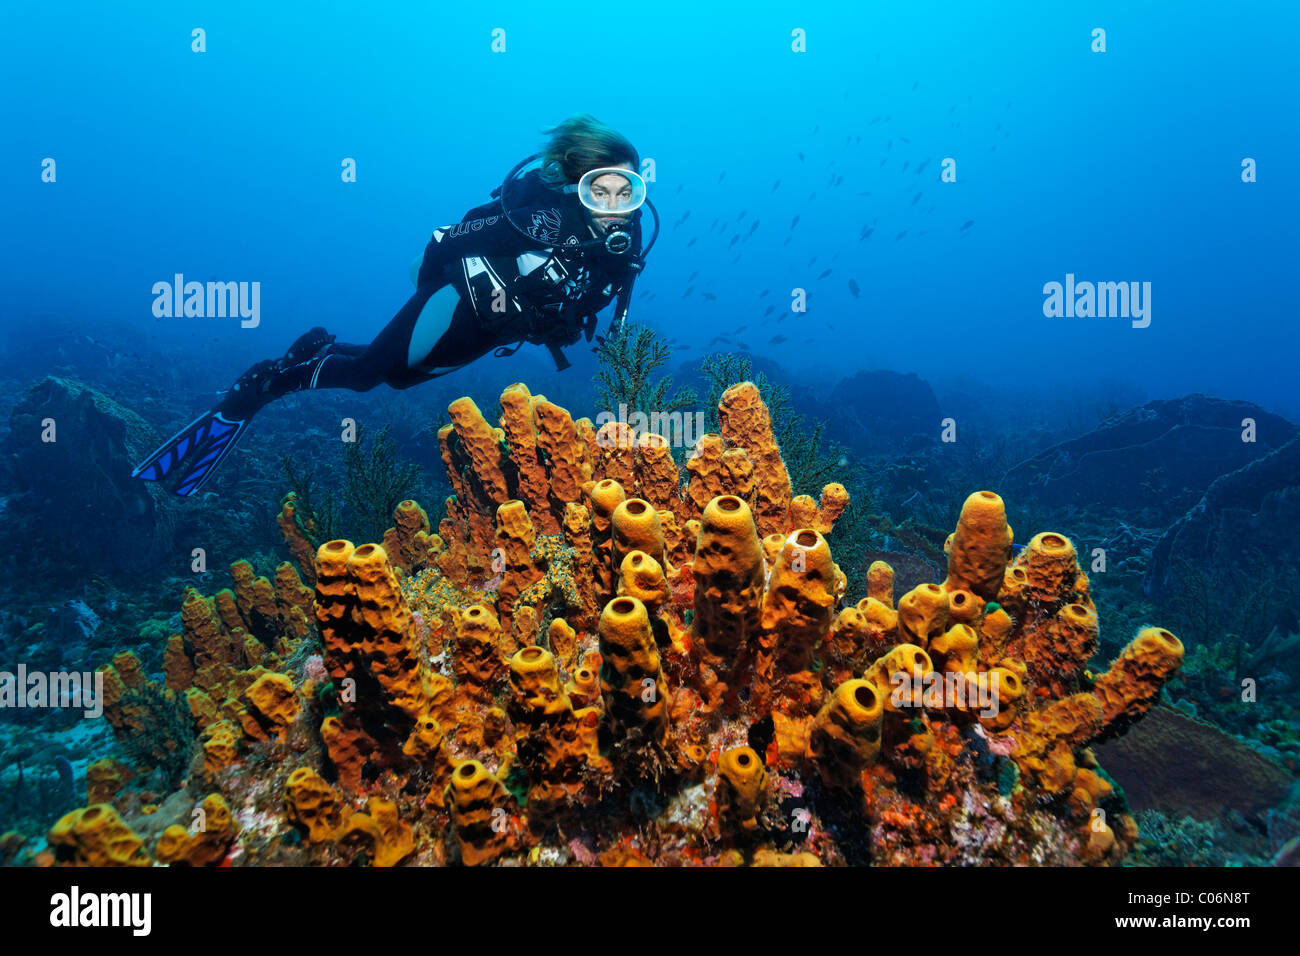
599,658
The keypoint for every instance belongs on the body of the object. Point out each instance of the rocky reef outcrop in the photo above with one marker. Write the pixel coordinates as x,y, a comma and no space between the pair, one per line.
1251,511
1158,458
67,466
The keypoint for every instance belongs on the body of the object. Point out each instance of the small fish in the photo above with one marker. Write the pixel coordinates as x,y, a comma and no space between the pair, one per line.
966,225
741,329
916,84
691,277
691,243
853,289
794,222
754,227
764,293
734,240
906,140
812,260
777,340
775,185
838,180
741,216
770,310
722,175
905,162
900,235
916,199
824,275
689,290
801,157
889,145
710,296
924,163
866,233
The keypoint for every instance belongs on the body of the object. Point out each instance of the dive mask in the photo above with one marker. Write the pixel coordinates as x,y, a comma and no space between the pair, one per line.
611,191
613,194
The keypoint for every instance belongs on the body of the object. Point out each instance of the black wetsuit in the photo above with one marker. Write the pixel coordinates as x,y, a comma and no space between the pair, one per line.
481,285
510,290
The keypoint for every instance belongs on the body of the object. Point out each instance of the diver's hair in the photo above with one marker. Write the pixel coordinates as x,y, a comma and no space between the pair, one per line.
581,143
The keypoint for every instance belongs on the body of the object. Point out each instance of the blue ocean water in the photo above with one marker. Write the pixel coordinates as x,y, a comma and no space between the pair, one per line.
1117,166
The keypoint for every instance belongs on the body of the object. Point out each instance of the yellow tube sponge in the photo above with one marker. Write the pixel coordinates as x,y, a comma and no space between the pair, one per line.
631,682
96,836
534,487
479,661
642,577
981,546
313,804
636,527
741,791
1132,683
1051,566
729,579
745,423
846,733
922,614
480,813
880,582
800,598
515,538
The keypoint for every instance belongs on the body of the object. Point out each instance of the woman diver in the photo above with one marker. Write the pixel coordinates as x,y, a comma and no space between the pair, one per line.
559,241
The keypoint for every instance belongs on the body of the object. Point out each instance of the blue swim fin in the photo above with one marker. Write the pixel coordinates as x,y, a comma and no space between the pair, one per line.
207,440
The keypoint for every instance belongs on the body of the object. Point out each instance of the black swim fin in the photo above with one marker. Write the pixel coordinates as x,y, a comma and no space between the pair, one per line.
207,441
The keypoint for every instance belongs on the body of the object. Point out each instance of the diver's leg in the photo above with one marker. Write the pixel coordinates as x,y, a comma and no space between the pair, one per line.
316,361
313,361
386,360
434,334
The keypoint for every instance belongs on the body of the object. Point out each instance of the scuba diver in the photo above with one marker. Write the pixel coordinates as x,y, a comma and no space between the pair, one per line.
559,241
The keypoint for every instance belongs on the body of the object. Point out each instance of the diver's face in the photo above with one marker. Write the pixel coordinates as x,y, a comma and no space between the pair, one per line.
608,190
